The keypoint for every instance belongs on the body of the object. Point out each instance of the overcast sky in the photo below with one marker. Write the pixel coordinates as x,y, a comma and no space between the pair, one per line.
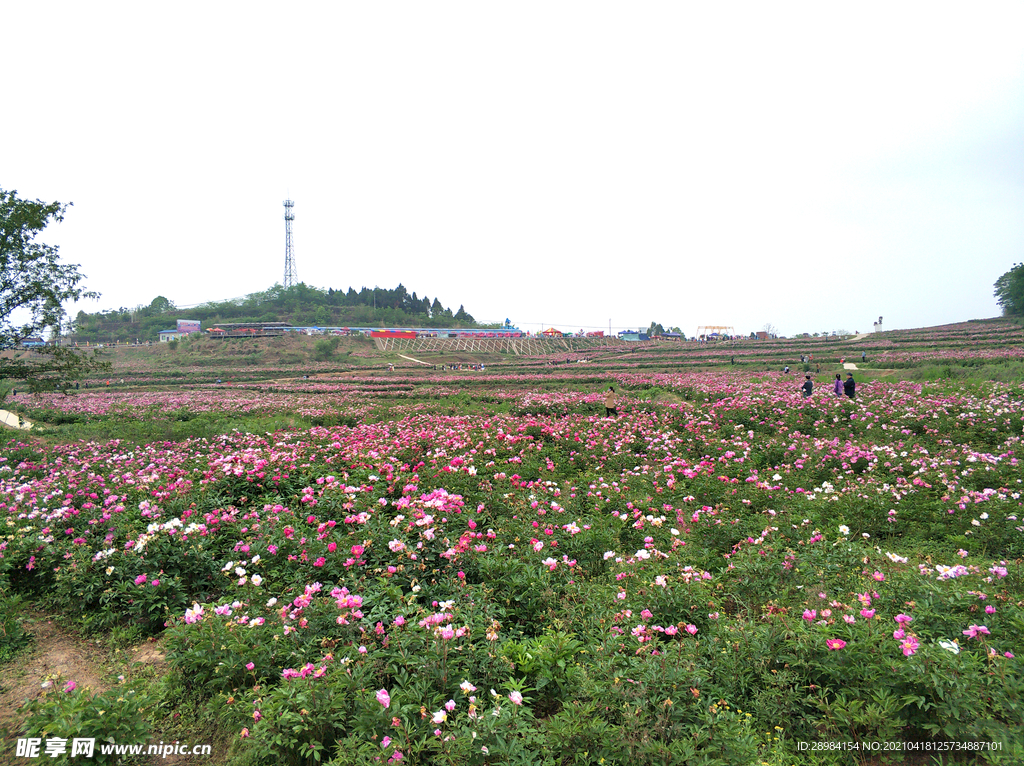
809,165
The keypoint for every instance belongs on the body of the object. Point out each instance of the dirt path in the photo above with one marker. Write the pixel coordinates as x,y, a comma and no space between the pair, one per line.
58,656
413,360
55,656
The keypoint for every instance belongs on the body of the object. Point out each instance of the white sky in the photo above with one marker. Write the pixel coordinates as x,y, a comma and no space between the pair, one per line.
809,165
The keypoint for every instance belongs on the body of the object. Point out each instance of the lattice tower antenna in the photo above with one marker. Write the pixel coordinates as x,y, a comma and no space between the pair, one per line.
290,277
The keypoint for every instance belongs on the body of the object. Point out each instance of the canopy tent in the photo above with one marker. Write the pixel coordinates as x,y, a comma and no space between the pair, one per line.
707,330
552,331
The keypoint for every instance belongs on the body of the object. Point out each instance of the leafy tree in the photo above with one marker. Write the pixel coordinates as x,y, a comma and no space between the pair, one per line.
323,349
160,305
655,329
1009,291
34,285
321,317
462,316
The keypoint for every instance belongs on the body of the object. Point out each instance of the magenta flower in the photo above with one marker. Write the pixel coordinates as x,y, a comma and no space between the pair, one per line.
140,580
903,619
810,614
70,686
867,614
516,697
691,629
384,698
835,644
910,645
976,630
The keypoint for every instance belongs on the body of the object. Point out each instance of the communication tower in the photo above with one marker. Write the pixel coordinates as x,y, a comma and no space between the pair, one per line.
290,277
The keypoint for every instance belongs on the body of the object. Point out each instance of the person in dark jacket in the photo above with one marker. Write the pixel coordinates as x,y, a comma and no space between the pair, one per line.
849,387
808,385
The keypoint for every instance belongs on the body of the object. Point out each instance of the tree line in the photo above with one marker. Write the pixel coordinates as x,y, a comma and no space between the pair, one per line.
300,305
1009,291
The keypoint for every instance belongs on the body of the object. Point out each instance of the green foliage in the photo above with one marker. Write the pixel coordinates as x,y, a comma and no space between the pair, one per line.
13,638
325,348
114,717
1009,291
34,285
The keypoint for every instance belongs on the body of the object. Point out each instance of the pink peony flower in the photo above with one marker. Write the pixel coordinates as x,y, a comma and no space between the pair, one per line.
910,645
976,630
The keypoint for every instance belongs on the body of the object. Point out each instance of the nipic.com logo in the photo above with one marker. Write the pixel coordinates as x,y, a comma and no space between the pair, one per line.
85,747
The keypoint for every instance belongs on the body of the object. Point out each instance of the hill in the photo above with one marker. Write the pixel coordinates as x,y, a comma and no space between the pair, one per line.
300,305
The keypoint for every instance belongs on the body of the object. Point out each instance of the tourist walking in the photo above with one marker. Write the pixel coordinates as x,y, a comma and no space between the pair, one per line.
609,403
849,387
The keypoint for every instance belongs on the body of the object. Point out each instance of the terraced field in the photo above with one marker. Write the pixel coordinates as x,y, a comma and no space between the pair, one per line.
330,562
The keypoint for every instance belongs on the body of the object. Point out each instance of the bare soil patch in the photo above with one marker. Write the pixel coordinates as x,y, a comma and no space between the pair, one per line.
59,655
55,655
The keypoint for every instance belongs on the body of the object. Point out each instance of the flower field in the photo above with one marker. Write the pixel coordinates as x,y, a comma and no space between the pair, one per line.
483,569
